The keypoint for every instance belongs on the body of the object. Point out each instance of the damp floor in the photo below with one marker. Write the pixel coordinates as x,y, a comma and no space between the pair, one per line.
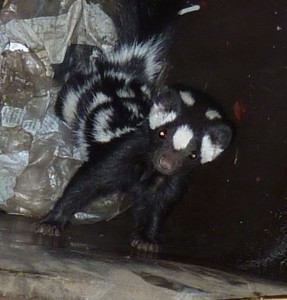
79,266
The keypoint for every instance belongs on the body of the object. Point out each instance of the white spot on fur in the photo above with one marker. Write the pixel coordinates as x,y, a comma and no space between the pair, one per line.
187,98
182,137
212,114
125,93
209,151
159,117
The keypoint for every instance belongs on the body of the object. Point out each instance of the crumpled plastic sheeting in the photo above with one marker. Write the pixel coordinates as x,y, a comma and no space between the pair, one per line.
37,153
81,24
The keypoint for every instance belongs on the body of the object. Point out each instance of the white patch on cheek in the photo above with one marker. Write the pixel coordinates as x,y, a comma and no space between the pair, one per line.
187,98
158,117
209,151
212,114
182,137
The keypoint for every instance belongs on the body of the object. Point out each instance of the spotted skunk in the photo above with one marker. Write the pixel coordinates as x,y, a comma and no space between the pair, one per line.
139,136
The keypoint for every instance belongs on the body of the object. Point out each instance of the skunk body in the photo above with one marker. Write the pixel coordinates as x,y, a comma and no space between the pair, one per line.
139,137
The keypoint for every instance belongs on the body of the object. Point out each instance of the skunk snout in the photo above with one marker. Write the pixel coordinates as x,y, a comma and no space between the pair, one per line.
166,163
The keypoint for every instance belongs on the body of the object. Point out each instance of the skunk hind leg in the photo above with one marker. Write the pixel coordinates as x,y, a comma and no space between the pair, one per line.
51,225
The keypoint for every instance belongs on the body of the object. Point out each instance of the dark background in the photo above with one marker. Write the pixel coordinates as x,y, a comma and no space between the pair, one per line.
235,213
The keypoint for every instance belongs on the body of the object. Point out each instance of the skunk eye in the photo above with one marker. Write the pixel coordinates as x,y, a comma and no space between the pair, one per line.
193,155
162,133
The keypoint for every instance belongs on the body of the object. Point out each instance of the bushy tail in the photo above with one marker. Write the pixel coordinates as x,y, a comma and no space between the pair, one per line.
144,29
139,20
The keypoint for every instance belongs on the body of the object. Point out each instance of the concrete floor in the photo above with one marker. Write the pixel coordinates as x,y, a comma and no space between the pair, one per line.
36,268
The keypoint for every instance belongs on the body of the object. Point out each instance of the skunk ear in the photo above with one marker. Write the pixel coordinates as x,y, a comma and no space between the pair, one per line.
215,140
168,98
164,109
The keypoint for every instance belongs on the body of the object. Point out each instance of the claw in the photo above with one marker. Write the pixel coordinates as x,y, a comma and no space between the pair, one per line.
46,229
144,246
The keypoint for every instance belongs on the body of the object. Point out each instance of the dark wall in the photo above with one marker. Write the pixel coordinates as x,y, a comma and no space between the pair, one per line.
236,51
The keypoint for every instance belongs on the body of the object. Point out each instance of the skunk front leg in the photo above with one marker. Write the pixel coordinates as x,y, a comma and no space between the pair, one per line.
151,199
81,189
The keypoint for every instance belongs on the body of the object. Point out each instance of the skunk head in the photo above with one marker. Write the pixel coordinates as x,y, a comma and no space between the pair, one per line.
186,130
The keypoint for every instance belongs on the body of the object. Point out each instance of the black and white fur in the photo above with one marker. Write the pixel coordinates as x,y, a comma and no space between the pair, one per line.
139,137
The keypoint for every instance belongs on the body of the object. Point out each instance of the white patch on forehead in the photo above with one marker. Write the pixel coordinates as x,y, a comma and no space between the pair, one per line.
182,137
187,98
212,114
158,117
209,151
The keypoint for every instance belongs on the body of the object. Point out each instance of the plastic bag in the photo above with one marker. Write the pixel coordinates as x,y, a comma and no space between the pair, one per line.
37,152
